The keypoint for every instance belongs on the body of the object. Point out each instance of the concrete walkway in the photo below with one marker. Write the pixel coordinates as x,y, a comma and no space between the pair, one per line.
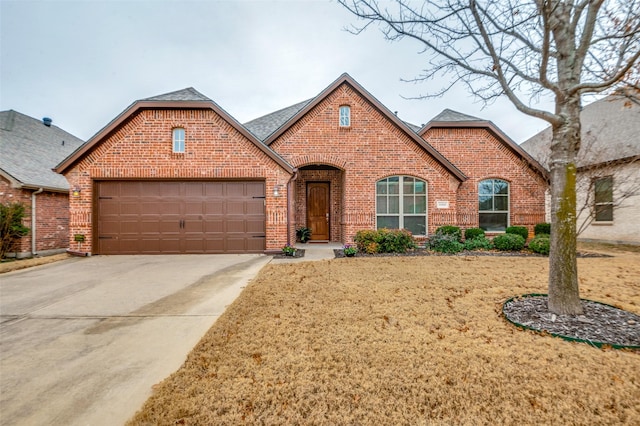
82,341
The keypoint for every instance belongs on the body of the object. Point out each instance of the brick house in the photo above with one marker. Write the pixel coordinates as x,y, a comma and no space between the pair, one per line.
176,174
29,150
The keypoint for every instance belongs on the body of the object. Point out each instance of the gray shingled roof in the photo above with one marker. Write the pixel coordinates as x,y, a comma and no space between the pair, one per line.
188,94
263,126
610,131
450,115
29,151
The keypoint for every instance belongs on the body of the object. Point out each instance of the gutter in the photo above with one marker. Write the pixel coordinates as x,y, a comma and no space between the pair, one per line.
33,220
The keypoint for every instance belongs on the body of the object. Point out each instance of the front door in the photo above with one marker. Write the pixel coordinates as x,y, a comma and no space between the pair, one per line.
318,210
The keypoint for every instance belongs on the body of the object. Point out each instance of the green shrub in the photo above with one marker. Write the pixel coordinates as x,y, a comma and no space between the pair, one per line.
471,233
542,228
540,244
478,243
366,238
518,230
396,240
11,227
450,230
509,242
445,243
384,241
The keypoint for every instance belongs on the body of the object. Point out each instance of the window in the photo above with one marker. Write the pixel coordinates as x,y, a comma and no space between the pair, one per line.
493,205
178,140
603,196
345,116
401,203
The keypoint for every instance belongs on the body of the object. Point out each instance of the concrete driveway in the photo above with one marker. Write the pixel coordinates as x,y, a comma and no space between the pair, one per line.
82,341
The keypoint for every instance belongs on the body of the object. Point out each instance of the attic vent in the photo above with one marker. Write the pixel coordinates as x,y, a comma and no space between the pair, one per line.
47,121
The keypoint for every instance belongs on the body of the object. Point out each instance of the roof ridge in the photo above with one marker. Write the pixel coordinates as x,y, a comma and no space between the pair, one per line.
448,114
186,94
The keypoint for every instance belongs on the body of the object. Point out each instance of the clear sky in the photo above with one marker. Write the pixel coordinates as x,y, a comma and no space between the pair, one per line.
83,62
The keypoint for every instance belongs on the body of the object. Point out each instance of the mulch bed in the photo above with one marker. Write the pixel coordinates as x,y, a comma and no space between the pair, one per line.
299,253
600,323
424,252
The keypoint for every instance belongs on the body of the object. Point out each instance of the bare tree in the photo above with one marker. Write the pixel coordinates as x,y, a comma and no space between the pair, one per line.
526,49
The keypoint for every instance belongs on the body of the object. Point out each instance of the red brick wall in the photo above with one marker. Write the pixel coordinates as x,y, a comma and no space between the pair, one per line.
142,148
480,155
371,149
52,218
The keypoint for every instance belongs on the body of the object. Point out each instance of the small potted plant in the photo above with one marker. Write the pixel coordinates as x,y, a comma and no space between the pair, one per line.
303,233
289,250
349,250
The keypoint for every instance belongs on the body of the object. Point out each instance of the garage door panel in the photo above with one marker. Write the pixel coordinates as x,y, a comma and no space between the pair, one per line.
236,245
213,189
213,207
255,244
169,189
235,207
129,207
255,226
193,207
180,217
110,227
133,190
214,226
194,189
235,226
160,207
255,207
235,189
254,189
130,227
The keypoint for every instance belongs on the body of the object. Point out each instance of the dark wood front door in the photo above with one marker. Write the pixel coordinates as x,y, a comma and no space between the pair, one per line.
318,210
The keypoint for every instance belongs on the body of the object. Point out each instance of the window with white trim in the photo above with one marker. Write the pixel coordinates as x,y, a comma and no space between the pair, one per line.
178,140
603,197
345,116
401,203
493,197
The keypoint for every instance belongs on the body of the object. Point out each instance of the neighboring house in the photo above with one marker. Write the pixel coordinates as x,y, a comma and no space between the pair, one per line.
176,174
29,150
608,182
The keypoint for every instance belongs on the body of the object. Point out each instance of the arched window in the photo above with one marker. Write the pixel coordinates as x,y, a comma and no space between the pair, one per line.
178,140
401,203
493,197
345,116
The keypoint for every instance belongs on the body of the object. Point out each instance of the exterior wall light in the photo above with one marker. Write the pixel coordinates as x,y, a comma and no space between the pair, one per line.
76,192
276,191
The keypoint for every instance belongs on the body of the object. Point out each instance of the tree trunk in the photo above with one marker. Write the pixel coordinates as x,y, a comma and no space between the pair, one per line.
564,295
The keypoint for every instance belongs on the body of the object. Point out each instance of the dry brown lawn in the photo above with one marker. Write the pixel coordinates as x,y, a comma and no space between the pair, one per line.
395,341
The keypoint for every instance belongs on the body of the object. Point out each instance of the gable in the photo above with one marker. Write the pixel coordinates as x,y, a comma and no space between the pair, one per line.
466,130
370,105
173,108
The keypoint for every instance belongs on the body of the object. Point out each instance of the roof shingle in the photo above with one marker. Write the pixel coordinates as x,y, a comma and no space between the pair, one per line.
610,131
188,94
29,150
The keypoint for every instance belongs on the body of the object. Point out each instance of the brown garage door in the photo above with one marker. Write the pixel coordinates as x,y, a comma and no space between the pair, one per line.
154,217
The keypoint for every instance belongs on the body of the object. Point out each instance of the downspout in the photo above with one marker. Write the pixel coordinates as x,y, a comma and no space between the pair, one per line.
33,220
290,202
